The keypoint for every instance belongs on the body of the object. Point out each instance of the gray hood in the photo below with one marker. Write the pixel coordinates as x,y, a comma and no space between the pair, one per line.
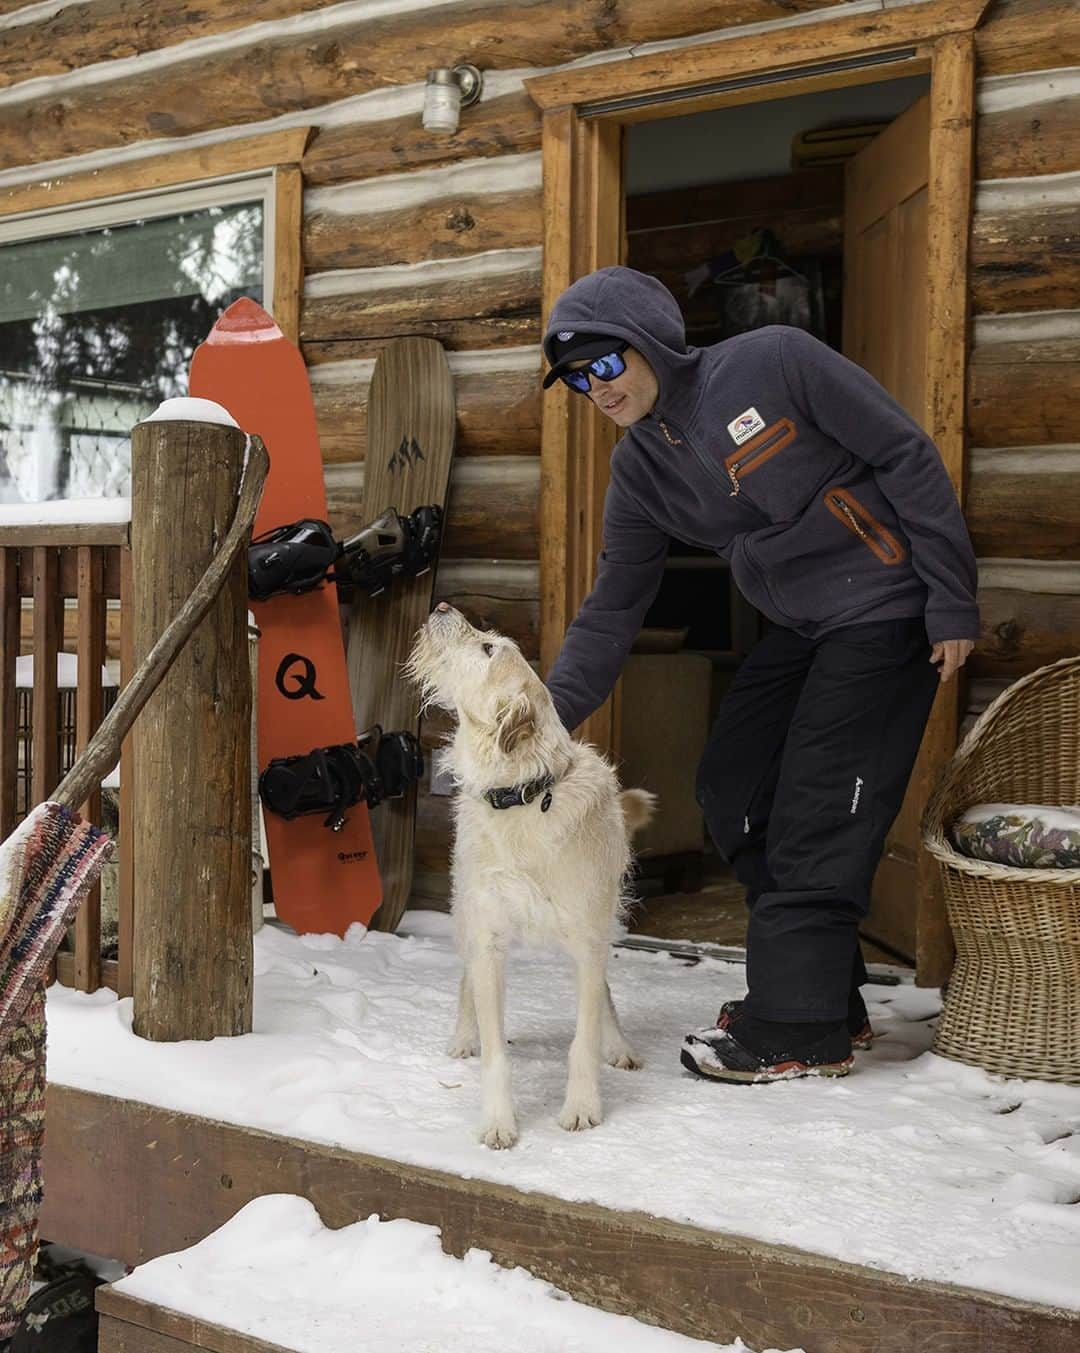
640,309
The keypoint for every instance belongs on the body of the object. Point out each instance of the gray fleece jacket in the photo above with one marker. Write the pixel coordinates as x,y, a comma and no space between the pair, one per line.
830,503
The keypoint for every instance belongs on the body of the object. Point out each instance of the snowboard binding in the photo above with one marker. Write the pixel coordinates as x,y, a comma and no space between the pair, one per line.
392,546
332,780
299,557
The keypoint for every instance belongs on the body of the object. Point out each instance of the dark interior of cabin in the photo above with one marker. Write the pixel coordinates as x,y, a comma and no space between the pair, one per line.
741,213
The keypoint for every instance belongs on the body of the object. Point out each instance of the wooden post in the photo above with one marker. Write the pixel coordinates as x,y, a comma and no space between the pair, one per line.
192,812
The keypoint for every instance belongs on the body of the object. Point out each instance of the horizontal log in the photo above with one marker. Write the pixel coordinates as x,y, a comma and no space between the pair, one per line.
454,227
498,414
461,334
1024,401
1041,138
418,304
1026,259
495,594
1023,515
1020,35
492,509
110,30
251,83
499,126
1021,631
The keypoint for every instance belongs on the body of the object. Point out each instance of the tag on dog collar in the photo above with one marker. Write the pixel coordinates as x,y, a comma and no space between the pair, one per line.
545,802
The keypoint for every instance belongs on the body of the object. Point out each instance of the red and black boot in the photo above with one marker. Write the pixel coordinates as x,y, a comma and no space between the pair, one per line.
754,1051
858,1021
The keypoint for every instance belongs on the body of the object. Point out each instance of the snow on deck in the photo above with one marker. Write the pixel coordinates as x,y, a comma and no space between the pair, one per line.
276,1273
912,1164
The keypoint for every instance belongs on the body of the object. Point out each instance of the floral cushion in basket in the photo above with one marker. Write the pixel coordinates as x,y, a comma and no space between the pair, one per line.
1025,834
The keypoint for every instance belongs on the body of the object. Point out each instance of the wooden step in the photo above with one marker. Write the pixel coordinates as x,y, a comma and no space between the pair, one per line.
132,1181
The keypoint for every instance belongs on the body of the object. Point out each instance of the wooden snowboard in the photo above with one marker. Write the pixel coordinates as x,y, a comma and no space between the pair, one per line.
323,880
410,446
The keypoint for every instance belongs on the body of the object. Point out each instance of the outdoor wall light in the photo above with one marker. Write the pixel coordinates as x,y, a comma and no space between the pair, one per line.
448,91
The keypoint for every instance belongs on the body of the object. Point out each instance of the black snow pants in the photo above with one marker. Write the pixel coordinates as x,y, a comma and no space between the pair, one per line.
804,772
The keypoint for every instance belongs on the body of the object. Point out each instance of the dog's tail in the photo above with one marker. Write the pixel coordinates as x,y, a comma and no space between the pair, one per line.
638,807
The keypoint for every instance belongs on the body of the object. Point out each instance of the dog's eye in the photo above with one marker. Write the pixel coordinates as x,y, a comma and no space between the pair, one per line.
488,649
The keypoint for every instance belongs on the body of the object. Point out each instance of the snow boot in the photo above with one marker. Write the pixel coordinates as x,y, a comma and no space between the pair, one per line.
858,1021
753,1051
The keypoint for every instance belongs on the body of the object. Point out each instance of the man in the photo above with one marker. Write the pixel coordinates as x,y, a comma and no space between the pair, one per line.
840,525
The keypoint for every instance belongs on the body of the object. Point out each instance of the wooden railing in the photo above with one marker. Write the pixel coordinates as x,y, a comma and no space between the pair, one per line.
49,566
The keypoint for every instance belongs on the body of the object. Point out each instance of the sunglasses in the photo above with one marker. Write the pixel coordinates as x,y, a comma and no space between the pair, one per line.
604,368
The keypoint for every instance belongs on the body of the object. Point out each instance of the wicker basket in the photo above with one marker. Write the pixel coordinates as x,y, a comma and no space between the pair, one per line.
1013,1001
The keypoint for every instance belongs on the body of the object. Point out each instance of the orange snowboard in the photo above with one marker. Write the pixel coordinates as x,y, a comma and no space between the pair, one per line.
323,880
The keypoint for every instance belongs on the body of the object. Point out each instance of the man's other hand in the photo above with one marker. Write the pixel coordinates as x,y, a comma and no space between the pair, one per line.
951,654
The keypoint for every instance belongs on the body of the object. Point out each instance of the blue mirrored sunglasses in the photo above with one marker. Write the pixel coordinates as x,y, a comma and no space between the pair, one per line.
604,368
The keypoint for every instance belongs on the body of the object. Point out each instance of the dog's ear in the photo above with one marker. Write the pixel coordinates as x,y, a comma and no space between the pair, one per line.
516,721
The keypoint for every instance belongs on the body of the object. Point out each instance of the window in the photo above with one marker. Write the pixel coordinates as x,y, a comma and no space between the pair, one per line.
101,308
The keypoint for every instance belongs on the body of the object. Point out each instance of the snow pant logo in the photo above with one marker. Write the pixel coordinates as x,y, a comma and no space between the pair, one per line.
858,791
406,456
347,856
305,684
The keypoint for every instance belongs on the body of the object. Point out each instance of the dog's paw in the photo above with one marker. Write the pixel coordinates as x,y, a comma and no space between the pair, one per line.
578,1117
625,1058
464,1047
499,1135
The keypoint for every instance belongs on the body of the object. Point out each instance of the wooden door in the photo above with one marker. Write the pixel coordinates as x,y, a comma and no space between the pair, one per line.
885,326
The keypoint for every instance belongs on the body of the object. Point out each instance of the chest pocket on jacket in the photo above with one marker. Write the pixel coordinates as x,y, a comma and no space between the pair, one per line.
758,451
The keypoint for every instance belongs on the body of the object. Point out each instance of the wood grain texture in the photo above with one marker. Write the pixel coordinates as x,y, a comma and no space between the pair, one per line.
410,450
951,133
451,227
1017,515
192,813
480,310
9,651
48,612
491,509
1042,138
1026,260
144,1181
1025,394
1022,630
271,76
1021,35
288,261
89,703
498,414
499,126
245,154
130,1325
835,36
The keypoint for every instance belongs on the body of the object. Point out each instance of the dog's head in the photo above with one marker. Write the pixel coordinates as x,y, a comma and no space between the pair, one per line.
502,706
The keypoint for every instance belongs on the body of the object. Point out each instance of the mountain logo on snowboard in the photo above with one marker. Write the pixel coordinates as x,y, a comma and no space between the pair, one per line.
408,453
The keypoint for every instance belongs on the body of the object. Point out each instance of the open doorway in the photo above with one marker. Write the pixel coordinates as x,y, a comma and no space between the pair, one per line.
809,210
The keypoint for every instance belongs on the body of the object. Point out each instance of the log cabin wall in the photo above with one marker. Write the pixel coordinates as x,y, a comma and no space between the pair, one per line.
409,232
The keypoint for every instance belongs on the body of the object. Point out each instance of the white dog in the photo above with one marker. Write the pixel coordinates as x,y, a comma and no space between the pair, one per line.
541,847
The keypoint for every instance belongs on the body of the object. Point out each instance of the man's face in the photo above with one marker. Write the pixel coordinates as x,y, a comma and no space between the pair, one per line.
629,396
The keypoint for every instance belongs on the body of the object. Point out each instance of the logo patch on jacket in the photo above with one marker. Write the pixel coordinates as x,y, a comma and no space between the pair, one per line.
745,426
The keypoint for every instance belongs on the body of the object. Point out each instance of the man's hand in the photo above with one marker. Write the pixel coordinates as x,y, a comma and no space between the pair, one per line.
951,654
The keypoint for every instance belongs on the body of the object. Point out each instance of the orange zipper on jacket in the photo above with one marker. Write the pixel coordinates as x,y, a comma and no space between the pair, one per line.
746,459
847,509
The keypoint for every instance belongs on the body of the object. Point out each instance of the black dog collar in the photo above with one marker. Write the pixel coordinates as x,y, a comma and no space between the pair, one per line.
513,795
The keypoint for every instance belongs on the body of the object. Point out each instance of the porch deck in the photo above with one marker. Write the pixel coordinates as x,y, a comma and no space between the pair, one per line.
863,1215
